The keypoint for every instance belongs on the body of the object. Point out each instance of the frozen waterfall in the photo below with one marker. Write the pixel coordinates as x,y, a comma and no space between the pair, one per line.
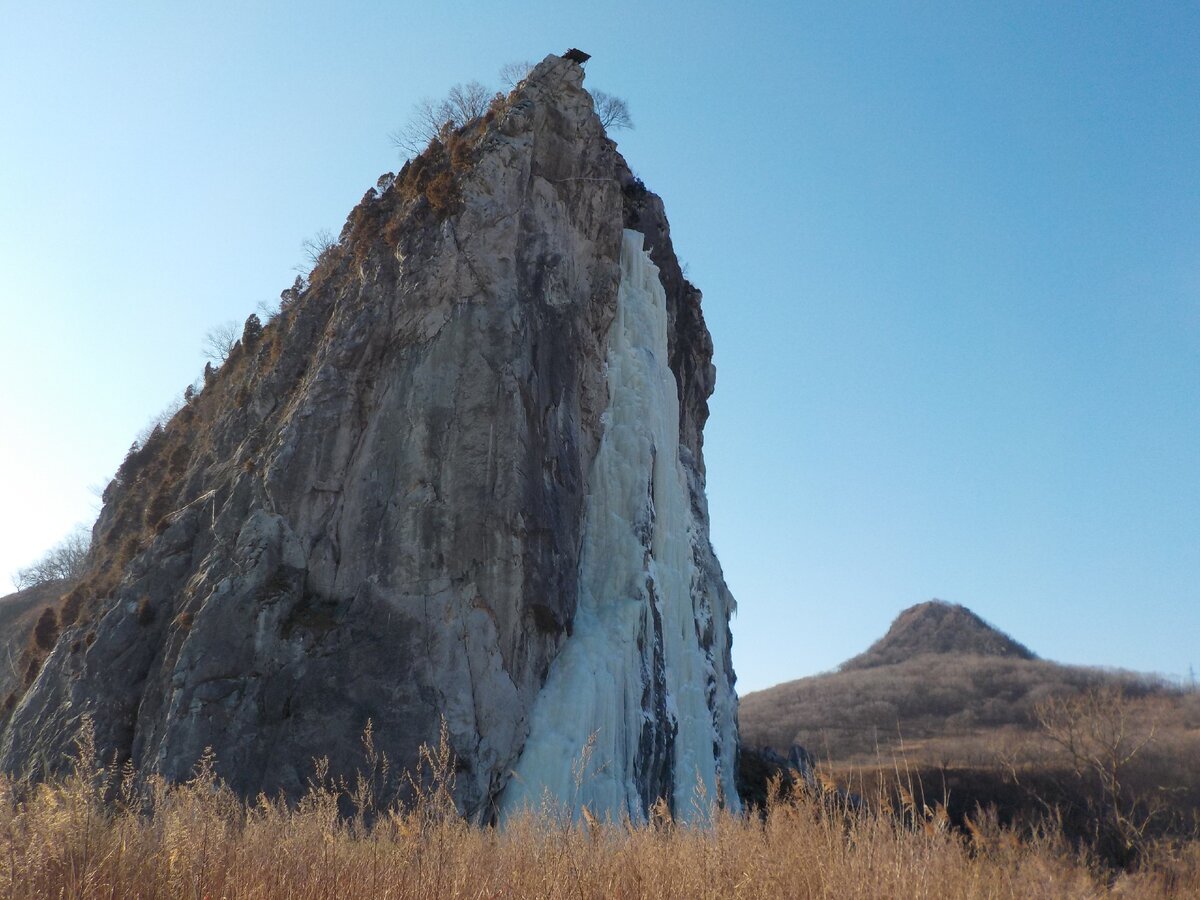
635,705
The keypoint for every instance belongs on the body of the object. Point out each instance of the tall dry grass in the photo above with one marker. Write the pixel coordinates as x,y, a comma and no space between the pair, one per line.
104,834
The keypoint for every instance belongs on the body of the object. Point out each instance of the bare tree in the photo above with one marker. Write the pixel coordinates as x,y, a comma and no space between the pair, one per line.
267,310
1095,774
63,562
513,73
219,341
613,111
431,119
423,125
467,101
1099,736
316,247
98,489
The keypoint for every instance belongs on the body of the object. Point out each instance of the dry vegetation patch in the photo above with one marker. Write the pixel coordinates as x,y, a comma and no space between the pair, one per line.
1112,758
101,833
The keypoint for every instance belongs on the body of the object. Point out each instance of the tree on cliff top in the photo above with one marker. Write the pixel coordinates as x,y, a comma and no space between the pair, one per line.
613,111
219,341
464,102
63,562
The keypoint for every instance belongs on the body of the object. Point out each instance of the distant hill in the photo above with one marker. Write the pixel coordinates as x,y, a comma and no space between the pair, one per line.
941,628
942,683
941,713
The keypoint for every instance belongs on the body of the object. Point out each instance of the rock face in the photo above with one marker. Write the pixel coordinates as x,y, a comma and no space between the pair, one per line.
382,507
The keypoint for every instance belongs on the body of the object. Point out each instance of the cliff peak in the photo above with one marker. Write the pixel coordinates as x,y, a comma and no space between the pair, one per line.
401,500
941,628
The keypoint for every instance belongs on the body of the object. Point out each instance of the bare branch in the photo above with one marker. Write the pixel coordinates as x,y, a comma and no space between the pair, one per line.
219,341
1099,738
430,120
466,102
422,127
317,246
613,111
64,562
513,73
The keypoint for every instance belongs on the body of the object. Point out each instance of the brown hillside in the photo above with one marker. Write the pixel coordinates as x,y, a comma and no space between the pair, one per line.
969,703
947,712
940,679
18,614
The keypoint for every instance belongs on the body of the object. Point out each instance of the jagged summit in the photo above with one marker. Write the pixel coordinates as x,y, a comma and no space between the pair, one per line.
937,627
451,458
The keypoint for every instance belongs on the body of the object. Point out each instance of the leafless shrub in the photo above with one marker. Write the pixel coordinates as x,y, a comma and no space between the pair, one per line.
64,562
317,248
430,119
219,341
267,311
1099,736
423,125
513,73
467,101
613,111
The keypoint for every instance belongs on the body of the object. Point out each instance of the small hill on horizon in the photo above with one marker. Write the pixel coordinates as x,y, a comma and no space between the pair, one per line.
942,683
947,712
937,627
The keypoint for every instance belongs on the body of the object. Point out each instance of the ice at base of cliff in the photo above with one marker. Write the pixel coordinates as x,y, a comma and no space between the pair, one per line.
636,557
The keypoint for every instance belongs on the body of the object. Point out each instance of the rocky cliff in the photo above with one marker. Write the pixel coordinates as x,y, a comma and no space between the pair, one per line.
459,477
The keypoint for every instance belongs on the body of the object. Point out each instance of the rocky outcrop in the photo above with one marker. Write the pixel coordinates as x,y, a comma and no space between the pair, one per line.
937,628
374,510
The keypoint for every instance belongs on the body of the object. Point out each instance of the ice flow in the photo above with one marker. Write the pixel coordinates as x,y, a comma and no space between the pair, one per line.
635,705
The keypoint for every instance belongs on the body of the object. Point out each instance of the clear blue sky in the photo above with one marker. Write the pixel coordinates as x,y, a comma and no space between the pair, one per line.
950,256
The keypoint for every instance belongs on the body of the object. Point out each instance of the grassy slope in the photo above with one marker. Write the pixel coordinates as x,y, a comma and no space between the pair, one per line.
941,680
962,706
18,614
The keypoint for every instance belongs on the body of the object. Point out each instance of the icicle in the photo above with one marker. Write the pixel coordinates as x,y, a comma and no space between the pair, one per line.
625,712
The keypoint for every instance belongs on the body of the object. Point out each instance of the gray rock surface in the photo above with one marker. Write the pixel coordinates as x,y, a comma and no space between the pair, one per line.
373,510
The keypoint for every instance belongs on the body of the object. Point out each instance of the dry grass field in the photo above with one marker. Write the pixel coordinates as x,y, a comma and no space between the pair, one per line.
943,775
101,834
